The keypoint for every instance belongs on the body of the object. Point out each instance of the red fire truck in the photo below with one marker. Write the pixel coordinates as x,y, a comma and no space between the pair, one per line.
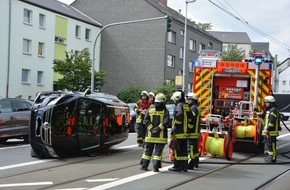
229,92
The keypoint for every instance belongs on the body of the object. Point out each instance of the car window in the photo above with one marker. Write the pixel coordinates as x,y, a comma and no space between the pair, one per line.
5,106
20,106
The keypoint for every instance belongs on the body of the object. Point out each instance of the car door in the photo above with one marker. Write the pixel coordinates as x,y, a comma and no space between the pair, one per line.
6,118
88,124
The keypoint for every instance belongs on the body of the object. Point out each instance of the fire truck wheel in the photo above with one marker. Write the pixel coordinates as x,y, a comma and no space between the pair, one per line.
229,148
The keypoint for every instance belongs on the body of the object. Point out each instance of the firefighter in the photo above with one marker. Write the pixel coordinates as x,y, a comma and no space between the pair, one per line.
179,131
151,97
156,122
271,127
193,131
140,108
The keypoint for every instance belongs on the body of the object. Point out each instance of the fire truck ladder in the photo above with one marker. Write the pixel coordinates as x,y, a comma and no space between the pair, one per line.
206,91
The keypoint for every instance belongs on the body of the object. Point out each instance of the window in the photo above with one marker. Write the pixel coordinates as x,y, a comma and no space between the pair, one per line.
25,76
284,83
41,49
77,53
191,67
26,46
209,45
201,47
41,20
39,77
88,34
170,60
181,52
78,31
171,37
189,87
59,40
181,32
192,45
27,16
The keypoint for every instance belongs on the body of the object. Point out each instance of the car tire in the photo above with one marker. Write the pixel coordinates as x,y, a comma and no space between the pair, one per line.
3,140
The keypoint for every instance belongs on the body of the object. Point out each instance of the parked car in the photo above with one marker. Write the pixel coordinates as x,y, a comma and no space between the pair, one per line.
170,108
132,125
14,118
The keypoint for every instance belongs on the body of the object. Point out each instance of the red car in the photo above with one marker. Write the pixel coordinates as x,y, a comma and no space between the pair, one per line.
14,119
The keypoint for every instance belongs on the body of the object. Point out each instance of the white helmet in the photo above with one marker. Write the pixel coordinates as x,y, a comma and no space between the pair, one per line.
144,93
269,99
160,98
151,94
191,96
176,96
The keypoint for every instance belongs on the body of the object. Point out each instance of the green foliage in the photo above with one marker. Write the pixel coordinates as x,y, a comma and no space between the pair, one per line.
205,26
131,94
233,54
75,71
167,89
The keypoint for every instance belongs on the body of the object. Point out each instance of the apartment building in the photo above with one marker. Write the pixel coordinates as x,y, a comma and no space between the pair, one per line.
34,33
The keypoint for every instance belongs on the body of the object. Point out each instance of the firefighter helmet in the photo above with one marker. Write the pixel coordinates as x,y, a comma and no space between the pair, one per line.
144,93
160,98
191,96
269,99
151,94
176,96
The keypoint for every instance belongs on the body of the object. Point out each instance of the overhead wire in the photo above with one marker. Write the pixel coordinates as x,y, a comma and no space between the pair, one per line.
223,8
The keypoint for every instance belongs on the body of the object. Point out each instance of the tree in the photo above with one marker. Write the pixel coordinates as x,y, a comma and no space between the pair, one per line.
131,94
75,71
233,54
205,26
167,89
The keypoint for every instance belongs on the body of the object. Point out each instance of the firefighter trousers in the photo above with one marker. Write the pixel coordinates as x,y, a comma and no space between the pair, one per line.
147,155
193,155
271,145
181,156
141,132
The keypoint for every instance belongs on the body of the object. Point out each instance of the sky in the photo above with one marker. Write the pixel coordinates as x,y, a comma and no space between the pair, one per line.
270,19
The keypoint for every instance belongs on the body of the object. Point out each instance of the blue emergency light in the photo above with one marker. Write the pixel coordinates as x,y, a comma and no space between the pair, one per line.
258,60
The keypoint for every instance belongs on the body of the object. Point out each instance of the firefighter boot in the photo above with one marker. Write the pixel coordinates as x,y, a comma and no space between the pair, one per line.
176,167
156,165
145,164
269,159
196,162
190,164
184,165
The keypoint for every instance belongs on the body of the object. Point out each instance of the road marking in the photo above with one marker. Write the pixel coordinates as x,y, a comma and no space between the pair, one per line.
4,148
24,164
124,147
26,184
131,178
102,180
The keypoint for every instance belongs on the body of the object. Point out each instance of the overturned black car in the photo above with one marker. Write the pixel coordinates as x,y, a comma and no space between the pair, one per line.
69,124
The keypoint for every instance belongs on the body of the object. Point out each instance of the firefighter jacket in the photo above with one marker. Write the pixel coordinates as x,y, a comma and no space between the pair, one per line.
156,120
140,108
271,122
193,121
180,120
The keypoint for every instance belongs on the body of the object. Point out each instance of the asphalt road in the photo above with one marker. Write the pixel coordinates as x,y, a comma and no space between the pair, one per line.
118,168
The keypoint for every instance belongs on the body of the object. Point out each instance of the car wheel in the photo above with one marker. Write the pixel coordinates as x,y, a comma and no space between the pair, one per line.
285,118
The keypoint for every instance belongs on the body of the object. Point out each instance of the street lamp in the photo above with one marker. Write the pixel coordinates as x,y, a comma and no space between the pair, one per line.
184,43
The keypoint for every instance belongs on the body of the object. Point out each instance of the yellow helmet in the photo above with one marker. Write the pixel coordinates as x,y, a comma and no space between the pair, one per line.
160,98
269,99
176,96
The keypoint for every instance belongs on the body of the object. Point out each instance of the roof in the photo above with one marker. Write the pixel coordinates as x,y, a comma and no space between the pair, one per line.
177,16
232,37
63,9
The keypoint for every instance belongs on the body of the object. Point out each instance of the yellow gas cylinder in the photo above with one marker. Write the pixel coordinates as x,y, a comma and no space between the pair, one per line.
215,146
245,131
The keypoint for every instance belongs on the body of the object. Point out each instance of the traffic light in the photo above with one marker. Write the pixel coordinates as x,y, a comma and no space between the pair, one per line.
169,19
98,83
